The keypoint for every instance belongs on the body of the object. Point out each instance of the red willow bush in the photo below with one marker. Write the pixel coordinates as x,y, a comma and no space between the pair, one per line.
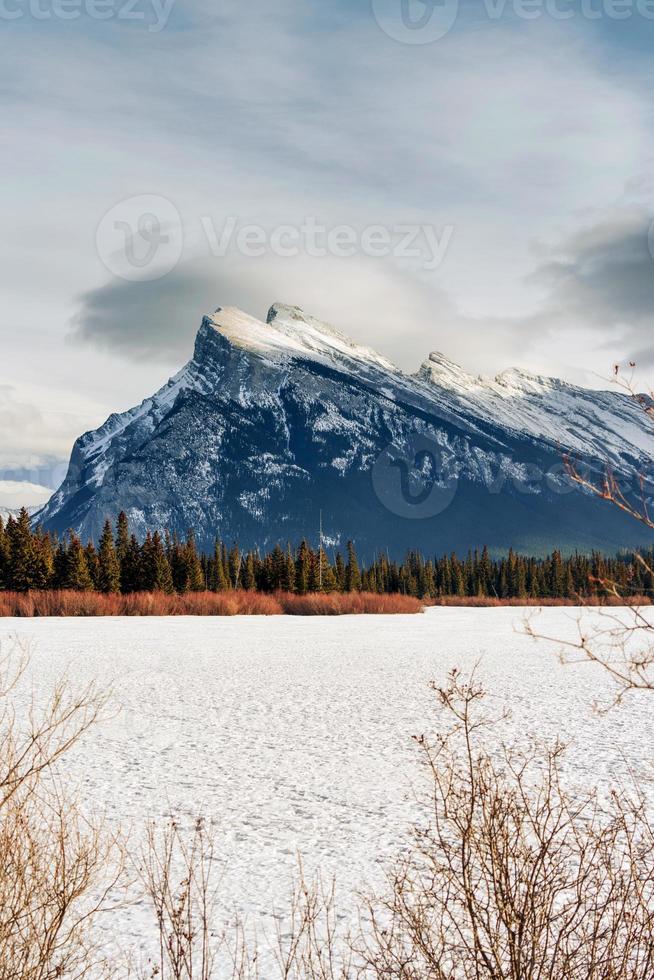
233,603
347,603
239,602
243,603
480,602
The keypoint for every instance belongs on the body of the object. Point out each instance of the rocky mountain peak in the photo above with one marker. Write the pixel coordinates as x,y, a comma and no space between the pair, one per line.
272,422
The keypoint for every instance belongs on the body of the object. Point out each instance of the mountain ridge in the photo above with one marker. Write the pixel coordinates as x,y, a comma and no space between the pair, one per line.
271,422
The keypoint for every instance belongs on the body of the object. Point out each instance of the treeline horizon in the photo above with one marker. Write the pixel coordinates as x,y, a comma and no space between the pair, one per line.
35,560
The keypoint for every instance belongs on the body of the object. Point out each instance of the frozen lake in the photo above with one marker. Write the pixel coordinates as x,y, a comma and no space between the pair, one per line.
294,735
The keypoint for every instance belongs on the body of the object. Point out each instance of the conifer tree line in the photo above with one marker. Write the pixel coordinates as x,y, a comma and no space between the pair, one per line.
31,559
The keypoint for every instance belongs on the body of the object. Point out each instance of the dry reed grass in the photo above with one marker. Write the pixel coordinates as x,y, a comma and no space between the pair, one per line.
234,603
482,602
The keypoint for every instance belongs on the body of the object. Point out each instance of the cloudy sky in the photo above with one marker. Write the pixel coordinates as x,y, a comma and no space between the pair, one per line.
164,157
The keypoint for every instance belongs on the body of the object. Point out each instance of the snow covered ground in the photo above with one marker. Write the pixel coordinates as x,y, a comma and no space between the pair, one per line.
294,735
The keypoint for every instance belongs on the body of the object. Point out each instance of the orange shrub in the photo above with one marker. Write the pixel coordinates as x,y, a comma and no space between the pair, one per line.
242,603
308,605
347,603
492,602
389,604
235,603
259,604
68,603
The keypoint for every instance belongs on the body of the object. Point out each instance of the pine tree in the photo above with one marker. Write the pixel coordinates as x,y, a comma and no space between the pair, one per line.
122,535
220,582
92,563
556,575
194,575
160,574
234,567
35,560
428,585
4,556
44,560
122,552
248,579
225,560
278,569
108,563
303,566
339,571
485,573
327,578
23,562
289,572
147,571
177,565
352,572
76,569
130,567
59,570
315,572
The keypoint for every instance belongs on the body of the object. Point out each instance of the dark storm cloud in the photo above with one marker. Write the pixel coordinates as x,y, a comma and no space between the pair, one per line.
602,279
374,303
604,275
158,319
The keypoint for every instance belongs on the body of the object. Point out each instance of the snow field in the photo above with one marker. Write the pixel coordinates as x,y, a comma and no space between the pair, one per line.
293,736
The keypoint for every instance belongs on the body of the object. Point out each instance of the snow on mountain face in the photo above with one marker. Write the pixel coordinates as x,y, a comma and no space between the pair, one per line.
321,339
576,419
269,423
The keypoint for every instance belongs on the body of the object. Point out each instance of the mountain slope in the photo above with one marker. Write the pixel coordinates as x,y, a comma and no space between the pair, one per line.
270,423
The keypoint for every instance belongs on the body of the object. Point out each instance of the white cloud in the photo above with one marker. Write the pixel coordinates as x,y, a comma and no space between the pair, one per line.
14,494
274,113
37,439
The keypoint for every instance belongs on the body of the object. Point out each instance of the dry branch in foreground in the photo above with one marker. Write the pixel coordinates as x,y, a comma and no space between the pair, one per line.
57,868
508,877
511,878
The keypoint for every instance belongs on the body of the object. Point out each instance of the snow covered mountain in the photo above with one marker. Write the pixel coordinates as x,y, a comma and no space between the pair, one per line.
271,423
